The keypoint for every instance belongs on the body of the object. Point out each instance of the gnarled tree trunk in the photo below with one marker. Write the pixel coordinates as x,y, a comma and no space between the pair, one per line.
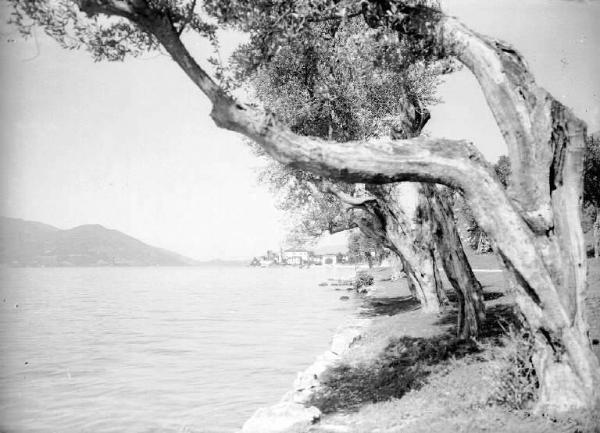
399,207
401,234
471,308
419,222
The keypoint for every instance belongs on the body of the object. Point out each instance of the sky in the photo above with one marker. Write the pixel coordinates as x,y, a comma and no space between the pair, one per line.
131,146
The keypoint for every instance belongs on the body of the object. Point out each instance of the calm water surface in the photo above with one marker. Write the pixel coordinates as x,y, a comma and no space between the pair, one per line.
157,349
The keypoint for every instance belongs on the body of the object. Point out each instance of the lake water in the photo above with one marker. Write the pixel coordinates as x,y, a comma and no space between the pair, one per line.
157,349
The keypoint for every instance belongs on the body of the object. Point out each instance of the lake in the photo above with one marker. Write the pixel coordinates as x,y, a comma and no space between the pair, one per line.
157,349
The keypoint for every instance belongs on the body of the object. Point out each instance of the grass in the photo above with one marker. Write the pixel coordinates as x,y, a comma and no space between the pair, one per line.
405,363
514,382
408,374
402,366
479,388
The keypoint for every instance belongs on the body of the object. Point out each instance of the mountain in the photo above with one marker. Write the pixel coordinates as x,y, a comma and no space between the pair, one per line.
29,243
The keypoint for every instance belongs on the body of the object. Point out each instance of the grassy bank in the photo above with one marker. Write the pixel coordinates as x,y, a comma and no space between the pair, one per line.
408,373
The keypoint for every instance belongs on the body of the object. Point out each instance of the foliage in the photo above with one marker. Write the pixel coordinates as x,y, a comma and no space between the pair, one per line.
503,170
588,217
272,25
341,81
308,215
591,179
104,38
363,279
515,380
361,247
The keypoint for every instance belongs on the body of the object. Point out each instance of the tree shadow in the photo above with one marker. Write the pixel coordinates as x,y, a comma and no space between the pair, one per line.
406,362
487,296
404,365
388,306
498,318
492,296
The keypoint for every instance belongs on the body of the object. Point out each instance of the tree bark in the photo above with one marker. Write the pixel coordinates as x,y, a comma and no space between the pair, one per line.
407,224
400,223
410,282
471,308
420,223
402,236
417,222
398,206
396,266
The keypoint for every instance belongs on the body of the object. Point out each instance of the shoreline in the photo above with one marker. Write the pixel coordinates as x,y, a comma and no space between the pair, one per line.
291,411
445,386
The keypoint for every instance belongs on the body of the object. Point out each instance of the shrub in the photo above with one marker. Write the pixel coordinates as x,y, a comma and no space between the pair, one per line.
514,378
363,279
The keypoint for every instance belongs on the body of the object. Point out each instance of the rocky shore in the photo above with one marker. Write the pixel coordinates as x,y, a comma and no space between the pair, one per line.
293,412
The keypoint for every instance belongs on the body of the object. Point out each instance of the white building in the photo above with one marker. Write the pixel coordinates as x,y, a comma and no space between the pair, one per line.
295,256
329,259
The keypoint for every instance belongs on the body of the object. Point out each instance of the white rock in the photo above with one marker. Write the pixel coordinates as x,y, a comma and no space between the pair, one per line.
308,377
281,417
344,339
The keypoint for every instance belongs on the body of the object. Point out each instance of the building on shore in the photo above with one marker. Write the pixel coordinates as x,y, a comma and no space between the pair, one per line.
330,256
297,257
329,259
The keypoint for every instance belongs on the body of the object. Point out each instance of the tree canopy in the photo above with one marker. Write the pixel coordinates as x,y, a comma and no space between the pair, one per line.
342,82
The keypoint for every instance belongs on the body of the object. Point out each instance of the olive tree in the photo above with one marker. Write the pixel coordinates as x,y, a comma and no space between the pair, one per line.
343,81
535,224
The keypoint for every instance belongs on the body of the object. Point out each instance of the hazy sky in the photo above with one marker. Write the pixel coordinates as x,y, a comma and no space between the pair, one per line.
131,146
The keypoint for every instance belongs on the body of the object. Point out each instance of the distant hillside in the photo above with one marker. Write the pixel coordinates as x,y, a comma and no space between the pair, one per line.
28,243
